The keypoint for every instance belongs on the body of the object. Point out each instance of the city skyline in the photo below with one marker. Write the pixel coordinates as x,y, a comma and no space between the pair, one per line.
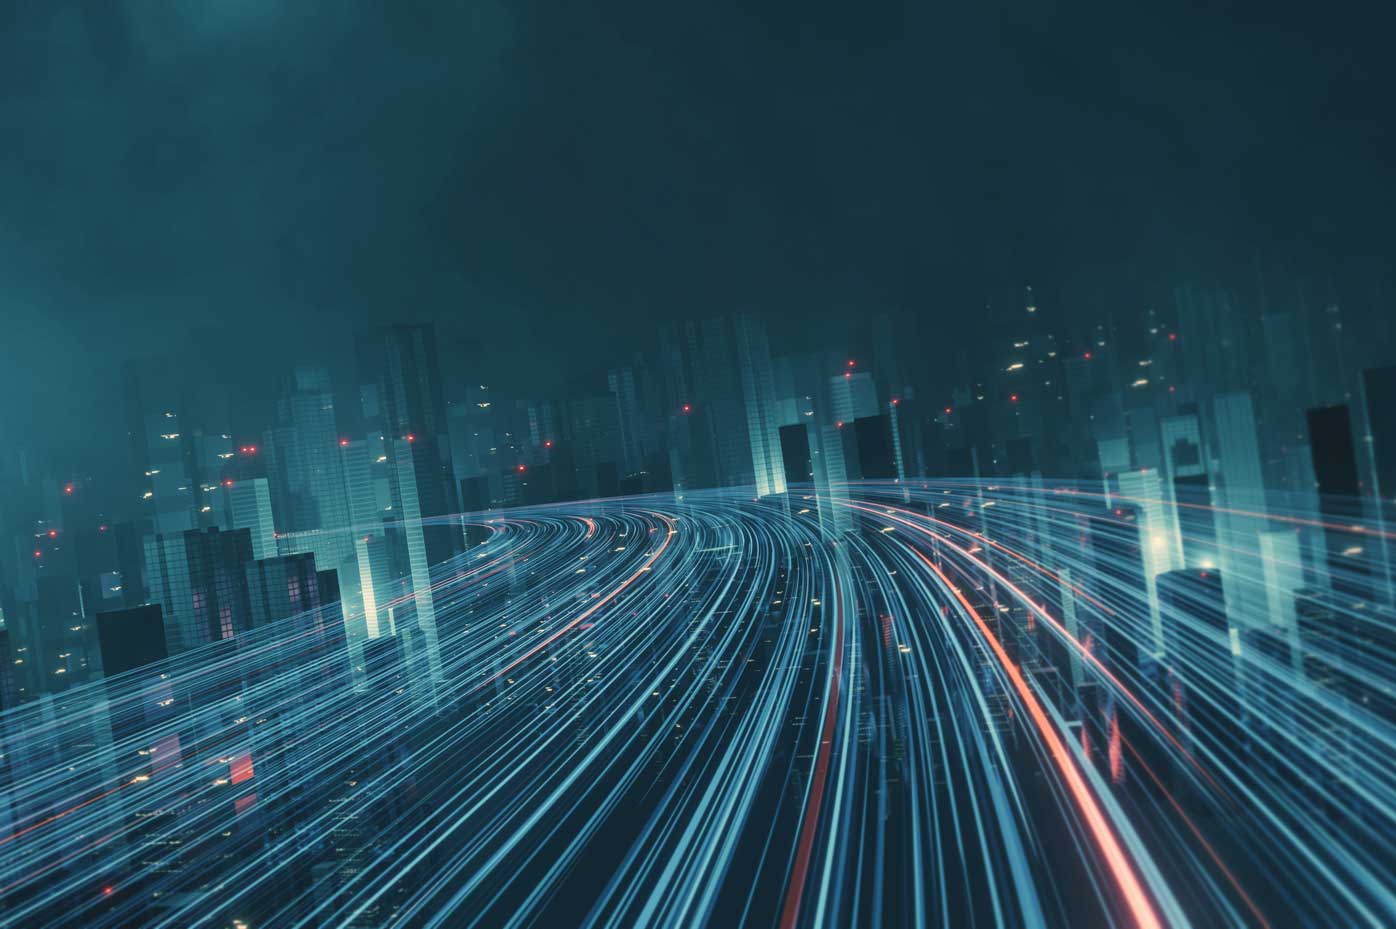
188,179
752,465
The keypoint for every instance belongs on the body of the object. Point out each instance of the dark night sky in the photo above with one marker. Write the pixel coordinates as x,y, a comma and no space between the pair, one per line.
242,182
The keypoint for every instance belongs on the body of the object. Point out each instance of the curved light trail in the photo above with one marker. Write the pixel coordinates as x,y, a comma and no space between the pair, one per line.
936,703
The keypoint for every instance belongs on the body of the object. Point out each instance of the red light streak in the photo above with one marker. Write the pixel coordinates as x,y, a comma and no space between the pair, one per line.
1135,897
796,889
1085,648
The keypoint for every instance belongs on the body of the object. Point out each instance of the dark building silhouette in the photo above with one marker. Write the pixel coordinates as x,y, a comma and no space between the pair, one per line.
795,454
282,587
199,578
877,458
131,638
1339,488
1379,397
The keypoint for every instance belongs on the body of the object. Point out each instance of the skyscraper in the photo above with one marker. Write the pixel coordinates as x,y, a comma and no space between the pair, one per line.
249,507
198,579
1185,465
1239,496
131,638
1340,502
306,485
403,402
852,395
281,587
1379,403
723,402
161,447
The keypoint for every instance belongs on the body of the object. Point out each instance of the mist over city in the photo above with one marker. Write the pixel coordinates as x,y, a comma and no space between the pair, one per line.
763,464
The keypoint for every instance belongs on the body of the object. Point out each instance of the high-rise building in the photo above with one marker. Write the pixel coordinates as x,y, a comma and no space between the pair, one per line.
1214,341
161,446
131,638
249,507
374,617
637,438
1161,546
198,578
1340,501
306,483
759,398
1379,400
472,427
400,378
1185,466
176,455
877,454
281,587
1379,403
796,454
408,540
1238,494
831,479
852,395
724,416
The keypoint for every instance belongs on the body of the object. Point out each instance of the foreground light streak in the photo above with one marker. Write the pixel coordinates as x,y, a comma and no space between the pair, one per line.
1123,871
718,712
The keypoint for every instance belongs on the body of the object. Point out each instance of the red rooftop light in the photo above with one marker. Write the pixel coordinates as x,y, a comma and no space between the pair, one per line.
521,467
343,443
